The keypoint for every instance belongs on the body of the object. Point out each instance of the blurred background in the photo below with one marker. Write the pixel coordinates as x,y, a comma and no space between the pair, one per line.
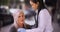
6,17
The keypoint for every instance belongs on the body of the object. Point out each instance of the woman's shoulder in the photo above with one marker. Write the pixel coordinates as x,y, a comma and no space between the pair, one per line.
43,11
13,29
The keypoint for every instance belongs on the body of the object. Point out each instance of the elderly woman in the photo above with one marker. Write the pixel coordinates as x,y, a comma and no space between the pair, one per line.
19,23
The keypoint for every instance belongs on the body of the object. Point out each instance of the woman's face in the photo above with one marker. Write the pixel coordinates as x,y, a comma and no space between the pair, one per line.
34,5
21,19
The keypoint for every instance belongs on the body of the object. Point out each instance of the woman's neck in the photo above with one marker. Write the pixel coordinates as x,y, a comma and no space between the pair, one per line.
20,25
36,11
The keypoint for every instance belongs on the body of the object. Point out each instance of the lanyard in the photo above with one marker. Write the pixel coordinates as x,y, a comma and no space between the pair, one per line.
36,21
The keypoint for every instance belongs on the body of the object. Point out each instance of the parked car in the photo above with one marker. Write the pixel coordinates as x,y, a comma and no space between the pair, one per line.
5,17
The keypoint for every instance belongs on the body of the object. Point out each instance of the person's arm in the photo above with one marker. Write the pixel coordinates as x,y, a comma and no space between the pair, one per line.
13,29
43,18
45,22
